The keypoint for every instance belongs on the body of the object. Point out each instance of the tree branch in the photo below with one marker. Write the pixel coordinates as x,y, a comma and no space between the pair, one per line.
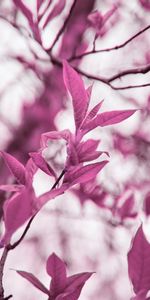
142,70
117,47
63,27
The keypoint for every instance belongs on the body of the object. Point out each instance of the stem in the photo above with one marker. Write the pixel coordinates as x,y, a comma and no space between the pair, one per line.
2,264
11,247
117,47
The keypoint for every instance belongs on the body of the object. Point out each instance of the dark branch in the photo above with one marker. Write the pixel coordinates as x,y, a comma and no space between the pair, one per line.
142,70
117,47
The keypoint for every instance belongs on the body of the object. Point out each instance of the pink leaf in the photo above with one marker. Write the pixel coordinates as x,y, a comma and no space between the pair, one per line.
17,210
31,169
54,135
16,168
139,262
75,86
52,194
89,146
85,173
57,270
92,113
77,280
42,164
72,295
126,210
91,156
35,281
74,286
57,10
109,118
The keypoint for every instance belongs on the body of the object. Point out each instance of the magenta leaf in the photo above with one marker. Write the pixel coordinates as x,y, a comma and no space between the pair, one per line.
85,173
52,194
42,164
17,210
54,135
57,270
75,86
74,286
109,118
56,11
92,113
72,295
88,146
127,209
139,262
77,280
35,281
16,168
30,170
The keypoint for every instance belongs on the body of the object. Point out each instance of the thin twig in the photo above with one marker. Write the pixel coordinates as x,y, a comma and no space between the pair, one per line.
11,247
117,47
2,264
142,70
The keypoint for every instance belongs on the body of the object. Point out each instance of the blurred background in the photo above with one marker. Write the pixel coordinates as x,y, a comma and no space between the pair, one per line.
89,231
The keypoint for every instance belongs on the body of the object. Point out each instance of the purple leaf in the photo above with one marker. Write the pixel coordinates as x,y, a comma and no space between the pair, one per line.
126,210
54,135
77,280
85,173
57,270
16,168
41,163
89,146
57,10
17,210
74,286
35,281
75,86
109,118
139,262
31,169
92,113
72,295
91,156
52,194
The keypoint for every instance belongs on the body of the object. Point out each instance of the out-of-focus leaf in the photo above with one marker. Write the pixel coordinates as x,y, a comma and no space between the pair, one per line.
139,262
57,10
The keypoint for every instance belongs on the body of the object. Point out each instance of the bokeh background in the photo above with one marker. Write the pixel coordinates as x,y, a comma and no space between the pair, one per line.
33,100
